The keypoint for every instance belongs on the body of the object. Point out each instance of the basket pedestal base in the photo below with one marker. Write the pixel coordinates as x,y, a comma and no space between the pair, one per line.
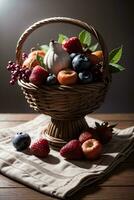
59,132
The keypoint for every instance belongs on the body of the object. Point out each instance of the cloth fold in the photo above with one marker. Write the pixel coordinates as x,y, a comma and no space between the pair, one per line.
54,175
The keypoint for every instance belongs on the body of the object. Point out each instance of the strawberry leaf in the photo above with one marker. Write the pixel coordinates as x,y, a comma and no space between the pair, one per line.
85,38
97,124
61,38
115,67
115,55
105,123
44,48
94,47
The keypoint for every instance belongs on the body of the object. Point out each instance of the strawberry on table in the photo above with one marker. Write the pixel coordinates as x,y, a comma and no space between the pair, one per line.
85,136
72,150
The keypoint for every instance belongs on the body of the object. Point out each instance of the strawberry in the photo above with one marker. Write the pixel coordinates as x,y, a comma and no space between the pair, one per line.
72,45
85,136
38,75
40,148
103,132
72,150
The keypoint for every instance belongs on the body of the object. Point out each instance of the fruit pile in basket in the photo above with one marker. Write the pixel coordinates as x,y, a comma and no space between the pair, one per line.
67,61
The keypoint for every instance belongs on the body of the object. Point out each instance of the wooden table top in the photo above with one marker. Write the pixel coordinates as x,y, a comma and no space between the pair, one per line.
119,185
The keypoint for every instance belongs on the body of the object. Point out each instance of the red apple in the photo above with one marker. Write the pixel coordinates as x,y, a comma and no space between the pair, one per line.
92,149
85,136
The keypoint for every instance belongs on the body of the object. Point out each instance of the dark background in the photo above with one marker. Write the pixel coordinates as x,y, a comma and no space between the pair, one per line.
113,19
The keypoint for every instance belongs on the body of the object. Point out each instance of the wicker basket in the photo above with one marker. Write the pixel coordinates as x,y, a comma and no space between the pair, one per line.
67,105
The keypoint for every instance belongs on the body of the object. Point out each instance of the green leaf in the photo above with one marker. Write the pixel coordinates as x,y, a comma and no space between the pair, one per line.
85,38
115,55
44,48
40,60
94,47
61,38
115,67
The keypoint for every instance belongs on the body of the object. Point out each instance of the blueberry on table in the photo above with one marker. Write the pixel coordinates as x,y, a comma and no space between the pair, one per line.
85,77
21,141
81,63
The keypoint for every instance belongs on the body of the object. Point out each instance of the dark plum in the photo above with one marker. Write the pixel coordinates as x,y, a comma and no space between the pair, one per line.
81,63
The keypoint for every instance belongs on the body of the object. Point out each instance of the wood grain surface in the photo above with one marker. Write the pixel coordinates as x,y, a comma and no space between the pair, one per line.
119,185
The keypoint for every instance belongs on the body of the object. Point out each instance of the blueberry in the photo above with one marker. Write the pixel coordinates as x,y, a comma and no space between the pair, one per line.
51,80
21,141
72,55
81,63
85,77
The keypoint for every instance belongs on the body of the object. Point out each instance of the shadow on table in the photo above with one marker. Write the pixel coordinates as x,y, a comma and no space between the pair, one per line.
49,159
104,160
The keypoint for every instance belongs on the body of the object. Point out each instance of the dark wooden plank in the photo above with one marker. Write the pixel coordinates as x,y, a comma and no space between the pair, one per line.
104,193
108,117
115,116
94,193
6,182
121,124
9,124
17,117
122,175
22,194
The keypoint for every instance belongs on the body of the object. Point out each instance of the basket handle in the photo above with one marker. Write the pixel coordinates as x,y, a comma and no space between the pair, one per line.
72,21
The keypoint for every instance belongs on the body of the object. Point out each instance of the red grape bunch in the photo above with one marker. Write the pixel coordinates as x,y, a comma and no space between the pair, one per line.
17,72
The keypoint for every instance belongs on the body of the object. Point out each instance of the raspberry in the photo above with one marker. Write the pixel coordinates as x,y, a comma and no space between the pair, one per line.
72,45
40,148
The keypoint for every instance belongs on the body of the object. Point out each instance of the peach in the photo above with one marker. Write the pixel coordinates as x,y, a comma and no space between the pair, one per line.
30,62
96,56
39,52
67,77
